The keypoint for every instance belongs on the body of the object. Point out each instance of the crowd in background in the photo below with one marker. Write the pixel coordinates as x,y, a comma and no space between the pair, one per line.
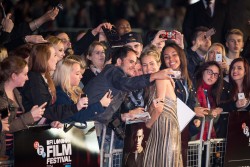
45,74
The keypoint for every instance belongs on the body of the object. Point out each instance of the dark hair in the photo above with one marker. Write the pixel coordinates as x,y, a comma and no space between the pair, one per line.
217,86
246,79
10,65
150,35
121,53
196,30
183,61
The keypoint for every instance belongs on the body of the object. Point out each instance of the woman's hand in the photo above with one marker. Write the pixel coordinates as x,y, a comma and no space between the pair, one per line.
201,111
197,123
179,40
82,103
215,112
56,124
106,99
37,112
241,103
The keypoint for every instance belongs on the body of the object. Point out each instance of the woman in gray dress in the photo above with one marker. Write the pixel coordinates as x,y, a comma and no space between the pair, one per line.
164,144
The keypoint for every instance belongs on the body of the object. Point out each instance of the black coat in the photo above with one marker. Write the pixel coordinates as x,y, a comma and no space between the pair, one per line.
36,92
196,16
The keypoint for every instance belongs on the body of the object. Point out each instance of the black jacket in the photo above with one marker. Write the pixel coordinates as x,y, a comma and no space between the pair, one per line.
36,92
115,79
196,16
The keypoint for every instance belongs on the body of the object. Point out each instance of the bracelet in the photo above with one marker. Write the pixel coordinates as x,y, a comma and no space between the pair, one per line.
35,24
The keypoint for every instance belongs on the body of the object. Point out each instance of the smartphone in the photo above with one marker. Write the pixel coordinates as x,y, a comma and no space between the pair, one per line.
109,93
210,32
218,57
4,113
169,35
83,95
60,6
241,96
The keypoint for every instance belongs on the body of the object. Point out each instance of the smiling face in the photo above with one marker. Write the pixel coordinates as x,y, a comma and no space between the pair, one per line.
149,64
75,75
171,58
211,74
127,64
238,71
97,57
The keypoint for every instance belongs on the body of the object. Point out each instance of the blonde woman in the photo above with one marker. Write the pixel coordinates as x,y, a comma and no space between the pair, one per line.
58,46
212,55
66,78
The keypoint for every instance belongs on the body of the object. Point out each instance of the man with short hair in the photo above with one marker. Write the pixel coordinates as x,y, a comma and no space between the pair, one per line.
234,44
200,45
118,77
135,158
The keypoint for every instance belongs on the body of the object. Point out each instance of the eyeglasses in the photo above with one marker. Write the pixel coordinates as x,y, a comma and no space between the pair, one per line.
210,72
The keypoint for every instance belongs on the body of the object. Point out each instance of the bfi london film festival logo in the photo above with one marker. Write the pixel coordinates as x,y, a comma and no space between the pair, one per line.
246,132
57,151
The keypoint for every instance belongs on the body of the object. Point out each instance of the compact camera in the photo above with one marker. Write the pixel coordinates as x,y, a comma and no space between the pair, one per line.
169,35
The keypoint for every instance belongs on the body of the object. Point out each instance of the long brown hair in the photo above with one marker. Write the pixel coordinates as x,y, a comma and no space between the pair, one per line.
183,62
217,86
40,54
246,79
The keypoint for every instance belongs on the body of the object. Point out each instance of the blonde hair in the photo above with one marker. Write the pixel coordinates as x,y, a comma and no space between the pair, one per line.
211,47
3,53
151,50
54,40
62,78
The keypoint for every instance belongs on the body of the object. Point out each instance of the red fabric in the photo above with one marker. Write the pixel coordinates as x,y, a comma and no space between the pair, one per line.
203,103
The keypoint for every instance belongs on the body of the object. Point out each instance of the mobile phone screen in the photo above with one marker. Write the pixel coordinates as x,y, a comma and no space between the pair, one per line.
4,113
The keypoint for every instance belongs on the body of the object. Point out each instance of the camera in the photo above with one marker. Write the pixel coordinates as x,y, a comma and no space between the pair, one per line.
169,35
116,125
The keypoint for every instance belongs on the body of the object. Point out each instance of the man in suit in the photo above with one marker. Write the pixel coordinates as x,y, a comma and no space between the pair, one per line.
208,13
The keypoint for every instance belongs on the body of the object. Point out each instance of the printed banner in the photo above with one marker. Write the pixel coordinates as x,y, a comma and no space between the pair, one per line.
49,147
238,140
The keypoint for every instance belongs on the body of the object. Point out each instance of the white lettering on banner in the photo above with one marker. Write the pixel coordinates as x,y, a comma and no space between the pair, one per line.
58,151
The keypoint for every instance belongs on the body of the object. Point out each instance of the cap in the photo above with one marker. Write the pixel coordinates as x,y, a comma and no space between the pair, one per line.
131,37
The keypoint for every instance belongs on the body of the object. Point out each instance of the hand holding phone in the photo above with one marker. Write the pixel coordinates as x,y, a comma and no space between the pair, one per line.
168,35
241,96
218,57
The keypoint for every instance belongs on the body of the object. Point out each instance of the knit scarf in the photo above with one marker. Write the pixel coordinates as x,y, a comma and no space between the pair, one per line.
204,93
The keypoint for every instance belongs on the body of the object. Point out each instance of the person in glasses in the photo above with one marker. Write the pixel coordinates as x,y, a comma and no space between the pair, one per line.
95,61
209,83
